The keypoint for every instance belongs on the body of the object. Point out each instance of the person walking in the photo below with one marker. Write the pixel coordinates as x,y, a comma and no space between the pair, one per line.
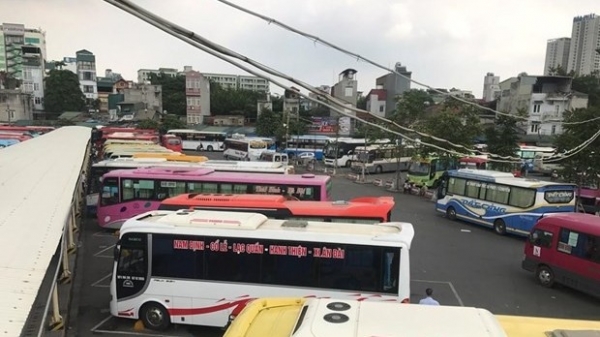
429,300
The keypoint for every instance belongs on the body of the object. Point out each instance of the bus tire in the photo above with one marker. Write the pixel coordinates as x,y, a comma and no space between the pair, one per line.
155,316
451,213
500,227
545,276
209,148
378,169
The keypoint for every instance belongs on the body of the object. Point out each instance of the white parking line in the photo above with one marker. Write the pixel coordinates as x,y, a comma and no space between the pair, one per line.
97,283
460,302
104,234
99,254
97,329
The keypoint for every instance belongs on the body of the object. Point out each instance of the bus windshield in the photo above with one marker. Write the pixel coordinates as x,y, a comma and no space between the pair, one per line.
419,168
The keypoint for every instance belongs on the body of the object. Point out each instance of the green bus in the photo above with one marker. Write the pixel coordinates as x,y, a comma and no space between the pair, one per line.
427,171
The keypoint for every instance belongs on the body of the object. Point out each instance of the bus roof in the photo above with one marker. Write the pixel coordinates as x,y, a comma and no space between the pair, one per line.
504,178
364,205
244,164
188,222
208,174
325,317
516,326
583,222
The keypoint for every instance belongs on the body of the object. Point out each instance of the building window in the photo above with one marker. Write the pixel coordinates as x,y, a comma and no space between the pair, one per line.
36,86
381,108
37,100
536,108
553,129
88,89
88,76
535,127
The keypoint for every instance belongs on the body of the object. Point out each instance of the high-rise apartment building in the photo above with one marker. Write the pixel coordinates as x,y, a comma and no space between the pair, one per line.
584,54
22,55
143,75
226,81
491,87
557,54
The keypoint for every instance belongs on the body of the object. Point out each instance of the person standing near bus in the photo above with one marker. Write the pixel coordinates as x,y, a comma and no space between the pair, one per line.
429,300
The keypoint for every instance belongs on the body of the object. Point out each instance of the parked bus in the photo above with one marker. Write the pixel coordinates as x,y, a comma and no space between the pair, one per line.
326,317
500,201
34,130
522,326
529,153
564,248
542,165
196,140
368,210
189,249
129,153
171,156
134,136
126,193
171,142
314,144
382,158
589,196
250,167
273,157
8,142
474,163
427,171
341,153
244,148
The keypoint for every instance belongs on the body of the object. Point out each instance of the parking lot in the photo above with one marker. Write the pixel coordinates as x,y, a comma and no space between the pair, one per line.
464,264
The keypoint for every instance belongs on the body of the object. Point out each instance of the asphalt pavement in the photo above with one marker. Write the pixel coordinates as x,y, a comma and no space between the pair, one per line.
466,265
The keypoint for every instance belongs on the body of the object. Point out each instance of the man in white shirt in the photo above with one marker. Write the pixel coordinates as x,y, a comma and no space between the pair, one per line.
429,300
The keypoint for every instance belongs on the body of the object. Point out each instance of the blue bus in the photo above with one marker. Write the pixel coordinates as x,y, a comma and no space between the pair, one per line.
500,201
314,144
8,142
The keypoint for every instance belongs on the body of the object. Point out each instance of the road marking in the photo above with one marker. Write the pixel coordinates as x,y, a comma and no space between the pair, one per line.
104,234
460,302
96,329
465,230
99,254
98,285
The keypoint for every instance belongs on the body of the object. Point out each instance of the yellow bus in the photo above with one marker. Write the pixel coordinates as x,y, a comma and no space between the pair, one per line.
176,156
326,317
522,326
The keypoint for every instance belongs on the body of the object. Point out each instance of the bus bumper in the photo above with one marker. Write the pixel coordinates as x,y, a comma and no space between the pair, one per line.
528,264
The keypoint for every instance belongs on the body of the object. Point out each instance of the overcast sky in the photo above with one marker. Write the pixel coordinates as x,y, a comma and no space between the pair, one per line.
444,43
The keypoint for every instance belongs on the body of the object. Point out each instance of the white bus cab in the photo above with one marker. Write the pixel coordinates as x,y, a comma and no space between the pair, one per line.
244,148
212,263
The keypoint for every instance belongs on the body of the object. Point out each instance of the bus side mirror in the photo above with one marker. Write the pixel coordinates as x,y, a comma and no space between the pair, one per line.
116,252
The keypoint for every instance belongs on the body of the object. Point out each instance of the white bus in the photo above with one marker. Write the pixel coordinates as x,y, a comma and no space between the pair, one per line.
382,158
199,267
250,167
541,165
345,150
201,140
273,157
327,317
248,149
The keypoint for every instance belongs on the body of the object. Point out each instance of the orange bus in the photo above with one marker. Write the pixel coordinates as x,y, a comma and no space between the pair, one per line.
369,210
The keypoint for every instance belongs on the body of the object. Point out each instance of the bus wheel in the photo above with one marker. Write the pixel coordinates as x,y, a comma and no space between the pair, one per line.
209,148
500,227
451,213
378,169
155,316
545,276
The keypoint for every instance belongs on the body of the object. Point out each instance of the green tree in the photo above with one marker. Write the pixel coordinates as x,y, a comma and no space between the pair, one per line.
584,166
173,92
168,122
590,85
411,107
502,139
62,92
268,123
361,102
229,101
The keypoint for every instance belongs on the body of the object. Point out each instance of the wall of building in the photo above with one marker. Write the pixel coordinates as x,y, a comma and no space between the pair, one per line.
557,54
197,91
585,39
375,106
15,105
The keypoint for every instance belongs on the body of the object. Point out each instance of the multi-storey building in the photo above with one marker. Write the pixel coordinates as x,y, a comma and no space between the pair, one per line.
376,100
22,55
15,105
584,55
197,93
346,90
491,87
143,75
227,81
557,54
543,98
394,85
86,71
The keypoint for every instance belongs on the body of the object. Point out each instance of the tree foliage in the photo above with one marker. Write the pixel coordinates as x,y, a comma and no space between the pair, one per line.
590,85
230,101
62,92
168,122
173,92
411,106
272,124
8,82
586,161
502,138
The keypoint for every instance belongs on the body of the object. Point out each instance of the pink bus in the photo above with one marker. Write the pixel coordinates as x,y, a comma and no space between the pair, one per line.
127,193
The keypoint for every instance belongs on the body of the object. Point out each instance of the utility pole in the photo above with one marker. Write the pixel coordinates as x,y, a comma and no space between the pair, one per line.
365,158
9,112
287,129
337,146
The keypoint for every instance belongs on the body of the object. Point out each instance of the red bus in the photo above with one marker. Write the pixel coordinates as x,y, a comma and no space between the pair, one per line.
476,163
33,129
171,142
15,135
565,248
369,210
